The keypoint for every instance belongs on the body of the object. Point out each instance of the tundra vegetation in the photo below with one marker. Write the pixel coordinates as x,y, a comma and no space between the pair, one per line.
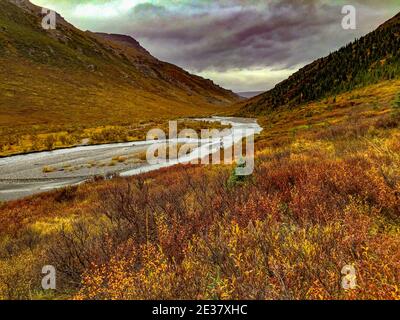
325,193
59,87
30,141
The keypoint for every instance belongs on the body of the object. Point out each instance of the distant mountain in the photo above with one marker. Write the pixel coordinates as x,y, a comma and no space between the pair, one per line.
249,94
367,60
75,78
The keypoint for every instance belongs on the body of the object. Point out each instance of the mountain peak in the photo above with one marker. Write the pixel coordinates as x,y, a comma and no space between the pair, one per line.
123,40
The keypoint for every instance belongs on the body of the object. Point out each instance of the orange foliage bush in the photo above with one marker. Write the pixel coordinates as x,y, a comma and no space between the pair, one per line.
286,234
316,202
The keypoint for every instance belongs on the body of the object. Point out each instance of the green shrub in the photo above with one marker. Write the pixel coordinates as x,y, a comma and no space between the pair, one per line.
396,104
236,179
396,108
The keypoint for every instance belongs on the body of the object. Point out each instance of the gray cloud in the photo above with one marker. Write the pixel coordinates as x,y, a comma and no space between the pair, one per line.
282,34
220,36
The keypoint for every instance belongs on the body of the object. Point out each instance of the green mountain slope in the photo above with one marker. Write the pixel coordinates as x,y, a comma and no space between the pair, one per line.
365,61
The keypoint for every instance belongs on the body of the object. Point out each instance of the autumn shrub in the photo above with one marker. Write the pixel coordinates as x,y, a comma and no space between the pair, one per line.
19,276
146,274
389,121
50,141
285,236
396,103
127,208
326,198
270,258
74,248
187,234
67,194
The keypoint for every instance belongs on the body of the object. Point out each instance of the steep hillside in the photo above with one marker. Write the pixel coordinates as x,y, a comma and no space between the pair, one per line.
365,61
67,80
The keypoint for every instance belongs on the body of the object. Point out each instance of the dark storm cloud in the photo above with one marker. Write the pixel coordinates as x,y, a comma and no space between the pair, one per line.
245,34
221,36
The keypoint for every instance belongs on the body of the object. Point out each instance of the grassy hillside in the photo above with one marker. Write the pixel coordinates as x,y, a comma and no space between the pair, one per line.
368,60
65,84
325,194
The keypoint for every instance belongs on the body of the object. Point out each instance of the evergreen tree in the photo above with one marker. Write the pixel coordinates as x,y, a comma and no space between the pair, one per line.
368,60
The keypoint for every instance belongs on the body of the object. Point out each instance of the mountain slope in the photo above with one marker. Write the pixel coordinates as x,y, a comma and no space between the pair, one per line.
69,80
365,61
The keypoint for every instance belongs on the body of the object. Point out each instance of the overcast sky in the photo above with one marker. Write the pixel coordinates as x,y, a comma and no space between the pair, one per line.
243,45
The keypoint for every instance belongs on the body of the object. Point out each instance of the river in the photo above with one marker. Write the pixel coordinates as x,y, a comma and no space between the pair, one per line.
24,175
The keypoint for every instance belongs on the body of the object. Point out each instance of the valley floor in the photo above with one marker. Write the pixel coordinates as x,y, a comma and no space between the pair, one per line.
28,174
325,194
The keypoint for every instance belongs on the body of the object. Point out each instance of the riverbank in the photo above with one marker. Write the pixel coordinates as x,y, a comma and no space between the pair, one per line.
23,175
